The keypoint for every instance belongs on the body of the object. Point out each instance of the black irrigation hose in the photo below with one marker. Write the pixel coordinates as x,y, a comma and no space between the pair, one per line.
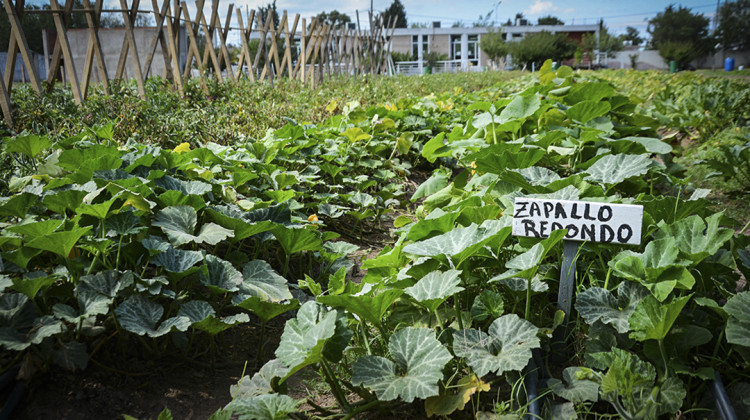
532,396
15,397
8,377
726,411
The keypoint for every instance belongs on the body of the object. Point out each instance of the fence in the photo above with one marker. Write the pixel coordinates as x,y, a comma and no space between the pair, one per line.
445,66
323,50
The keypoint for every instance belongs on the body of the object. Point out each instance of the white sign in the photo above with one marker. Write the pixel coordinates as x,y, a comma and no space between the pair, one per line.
584,220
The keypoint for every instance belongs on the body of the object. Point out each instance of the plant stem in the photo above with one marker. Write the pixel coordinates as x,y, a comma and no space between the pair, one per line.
334,384
527,313
362,408
663,352
365,338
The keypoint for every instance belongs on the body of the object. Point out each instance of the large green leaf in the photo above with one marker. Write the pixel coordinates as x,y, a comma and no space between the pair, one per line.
738,324
232,218
263,407
60,243
506,347
526,264
141,316
260,280
597,304
261,381
653,319
657,268
573,389
203,317
177,260
179,223
613,169
696,238
521,106
124,223
461,240
369,307
264,309
297,239
436,182
30,145
31,283
185,187
305,336
41,328
18,205
488,304
434,288
419,360
585,111
221,275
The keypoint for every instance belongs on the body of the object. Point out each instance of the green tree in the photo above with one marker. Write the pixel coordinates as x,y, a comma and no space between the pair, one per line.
633,36
734,25
484,21
493,44
549,20
396,10
680,35
334,18
33,24
270,8
608,43
537,47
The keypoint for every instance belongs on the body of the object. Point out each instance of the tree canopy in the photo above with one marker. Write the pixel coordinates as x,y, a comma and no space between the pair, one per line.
493,44
333,18
538,47
633,36
33,24
680,35
549,20
734,25
608,43
396,10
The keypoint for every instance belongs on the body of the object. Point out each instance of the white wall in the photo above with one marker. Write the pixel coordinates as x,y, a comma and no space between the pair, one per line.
111,41
651,60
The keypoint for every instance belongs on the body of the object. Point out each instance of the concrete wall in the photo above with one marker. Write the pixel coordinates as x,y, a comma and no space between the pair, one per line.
440,44
20,73
651,60
111,40
401,44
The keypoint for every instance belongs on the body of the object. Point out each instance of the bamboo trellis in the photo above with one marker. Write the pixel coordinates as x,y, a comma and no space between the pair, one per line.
324,51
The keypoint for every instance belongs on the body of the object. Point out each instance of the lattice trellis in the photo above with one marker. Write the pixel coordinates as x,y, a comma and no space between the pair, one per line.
325,51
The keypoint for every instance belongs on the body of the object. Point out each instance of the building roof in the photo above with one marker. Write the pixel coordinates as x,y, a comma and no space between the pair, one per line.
506,29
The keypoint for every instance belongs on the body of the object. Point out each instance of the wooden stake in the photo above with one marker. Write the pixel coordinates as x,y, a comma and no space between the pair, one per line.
130,37
18,42
62,37
245,55
94,49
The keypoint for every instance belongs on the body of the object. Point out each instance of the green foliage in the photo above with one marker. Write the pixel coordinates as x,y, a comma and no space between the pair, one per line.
540,46
493,44
607,43
102,231
680,35
333,18
632,36
549,20
395,11
734,25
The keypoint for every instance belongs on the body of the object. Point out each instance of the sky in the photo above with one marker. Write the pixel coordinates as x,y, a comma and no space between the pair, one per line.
617,14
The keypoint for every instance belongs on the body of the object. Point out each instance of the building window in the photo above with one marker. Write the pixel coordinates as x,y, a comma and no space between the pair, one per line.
473,48
455,47
415,46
